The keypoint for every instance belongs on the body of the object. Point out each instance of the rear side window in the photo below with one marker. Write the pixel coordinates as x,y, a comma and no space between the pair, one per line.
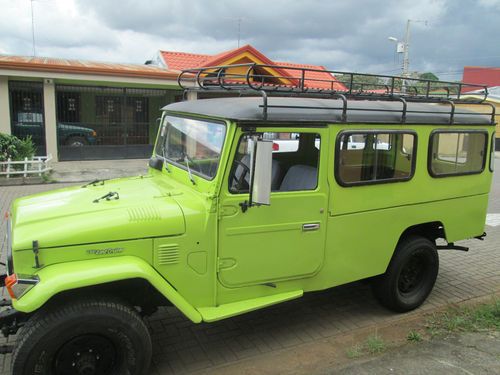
455,153
374,157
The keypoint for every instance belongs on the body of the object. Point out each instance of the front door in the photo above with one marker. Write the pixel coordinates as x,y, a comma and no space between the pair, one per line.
286,239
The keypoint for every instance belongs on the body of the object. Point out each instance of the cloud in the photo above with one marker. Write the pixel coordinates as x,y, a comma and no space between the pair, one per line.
347,35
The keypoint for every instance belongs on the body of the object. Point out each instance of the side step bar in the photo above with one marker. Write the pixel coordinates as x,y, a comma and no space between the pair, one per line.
211,314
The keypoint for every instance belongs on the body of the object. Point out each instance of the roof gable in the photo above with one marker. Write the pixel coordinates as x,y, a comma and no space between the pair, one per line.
286,73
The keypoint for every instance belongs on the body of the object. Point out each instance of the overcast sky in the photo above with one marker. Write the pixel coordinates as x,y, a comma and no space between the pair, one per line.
339,34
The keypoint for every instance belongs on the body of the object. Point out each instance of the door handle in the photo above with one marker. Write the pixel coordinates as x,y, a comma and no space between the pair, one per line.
310,227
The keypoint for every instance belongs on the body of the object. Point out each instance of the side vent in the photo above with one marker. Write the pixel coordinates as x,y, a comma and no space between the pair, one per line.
138,214
168,254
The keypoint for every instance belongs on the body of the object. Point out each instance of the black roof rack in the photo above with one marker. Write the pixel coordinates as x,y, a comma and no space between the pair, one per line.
280,80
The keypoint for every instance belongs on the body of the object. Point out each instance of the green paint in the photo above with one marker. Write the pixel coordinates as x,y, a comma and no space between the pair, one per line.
195,245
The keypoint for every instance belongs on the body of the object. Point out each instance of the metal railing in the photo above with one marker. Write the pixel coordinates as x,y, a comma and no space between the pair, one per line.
307,82
36,166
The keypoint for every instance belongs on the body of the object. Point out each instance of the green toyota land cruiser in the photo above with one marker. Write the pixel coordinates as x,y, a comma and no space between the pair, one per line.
249,201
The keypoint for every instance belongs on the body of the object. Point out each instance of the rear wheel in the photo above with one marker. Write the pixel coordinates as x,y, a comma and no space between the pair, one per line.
88,337
410,276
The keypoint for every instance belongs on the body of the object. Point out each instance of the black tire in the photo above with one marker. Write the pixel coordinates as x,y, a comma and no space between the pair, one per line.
88,337
76,141
410,277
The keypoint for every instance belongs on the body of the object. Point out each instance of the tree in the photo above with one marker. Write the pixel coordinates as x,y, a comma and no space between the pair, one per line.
429,76
361,82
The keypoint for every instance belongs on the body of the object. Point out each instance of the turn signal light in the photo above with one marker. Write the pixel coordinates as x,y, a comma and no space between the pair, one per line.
17,285
10,281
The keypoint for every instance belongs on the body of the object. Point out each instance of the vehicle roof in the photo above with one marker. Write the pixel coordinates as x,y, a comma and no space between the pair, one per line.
250,109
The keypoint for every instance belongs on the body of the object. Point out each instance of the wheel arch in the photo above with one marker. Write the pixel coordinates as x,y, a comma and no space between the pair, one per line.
431,230
101,276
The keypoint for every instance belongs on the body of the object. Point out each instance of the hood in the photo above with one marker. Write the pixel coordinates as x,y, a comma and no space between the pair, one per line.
142,208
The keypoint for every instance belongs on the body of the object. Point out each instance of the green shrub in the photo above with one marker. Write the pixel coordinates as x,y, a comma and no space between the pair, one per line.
15,148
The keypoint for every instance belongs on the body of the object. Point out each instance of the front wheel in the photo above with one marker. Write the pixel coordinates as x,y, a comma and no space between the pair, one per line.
87,337
410,277
76,141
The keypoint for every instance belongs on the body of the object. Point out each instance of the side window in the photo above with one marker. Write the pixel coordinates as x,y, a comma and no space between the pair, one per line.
457,153
374,157
295,162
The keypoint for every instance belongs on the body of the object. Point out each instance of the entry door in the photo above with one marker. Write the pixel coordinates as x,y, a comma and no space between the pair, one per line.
284,240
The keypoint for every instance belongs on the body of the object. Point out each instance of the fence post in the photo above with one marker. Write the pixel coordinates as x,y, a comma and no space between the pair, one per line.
25,167
40,162
8,167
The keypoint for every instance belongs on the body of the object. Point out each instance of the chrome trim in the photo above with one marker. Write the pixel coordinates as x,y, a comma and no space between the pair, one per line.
8,238
310,227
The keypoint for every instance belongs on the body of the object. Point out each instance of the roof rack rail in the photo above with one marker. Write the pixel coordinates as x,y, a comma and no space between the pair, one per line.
280,80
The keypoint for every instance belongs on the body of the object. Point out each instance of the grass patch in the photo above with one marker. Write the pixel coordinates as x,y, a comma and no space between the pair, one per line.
414,336
375,344
482,317
355,351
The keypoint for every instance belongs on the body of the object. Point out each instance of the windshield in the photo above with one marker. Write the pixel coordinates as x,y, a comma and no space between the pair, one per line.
192,143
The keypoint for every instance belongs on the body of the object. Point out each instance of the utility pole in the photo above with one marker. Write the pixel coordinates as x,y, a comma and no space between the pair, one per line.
33,28
404,48
406,51
239,30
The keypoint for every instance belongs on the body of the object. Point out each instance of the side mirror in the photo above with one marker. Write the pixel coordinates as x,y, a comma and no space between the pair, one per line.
261,159
156,163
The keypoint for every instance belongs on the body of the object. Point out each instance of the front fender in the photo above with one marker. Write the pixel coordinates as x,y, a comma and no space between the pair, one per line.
60,277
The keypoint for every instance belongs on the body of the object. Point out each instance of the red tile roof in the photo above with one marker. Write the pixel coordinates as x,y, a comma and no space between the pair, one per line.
481,75
183,60
47,64
315,79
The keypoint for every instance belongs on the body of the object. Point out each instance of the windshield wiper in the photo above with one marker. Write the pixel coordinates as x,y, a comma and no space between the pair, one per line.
94,183
186,160
108,197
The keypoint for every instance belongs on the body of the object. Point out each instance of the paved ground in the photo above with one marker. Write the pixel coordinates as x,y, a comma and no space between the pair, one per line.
246,343
467,353
89,170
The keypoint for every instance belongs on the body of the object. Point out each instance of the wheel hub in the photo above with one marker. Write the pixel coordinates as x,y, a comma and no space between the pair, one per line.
86,355
411,275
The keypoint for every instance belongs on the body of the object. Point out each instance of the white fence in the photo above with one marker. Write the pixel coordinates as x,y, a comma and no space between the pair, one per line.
36,166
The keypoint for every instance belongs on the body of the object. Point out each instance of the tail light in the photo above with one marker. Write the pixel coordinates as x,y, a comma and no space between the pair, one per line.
17,285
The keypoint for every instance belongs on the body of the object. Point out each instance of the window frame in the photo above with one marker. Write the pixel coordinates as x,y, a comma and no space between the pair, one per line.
459,131
232,192
342,183
492,152
181,166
